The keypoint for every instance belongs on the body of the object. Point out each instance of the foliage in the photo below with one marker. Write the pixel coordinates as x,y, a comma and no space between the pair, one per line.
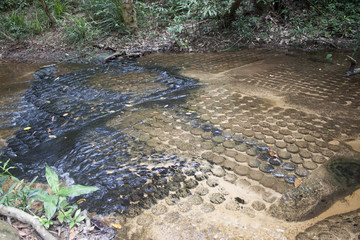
105,15
18,194
57,202
8,5
79,31
59,8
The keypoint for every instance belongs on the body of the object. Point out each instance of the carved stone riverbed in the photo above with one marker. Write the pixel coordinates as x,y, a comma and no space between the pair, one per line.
252,144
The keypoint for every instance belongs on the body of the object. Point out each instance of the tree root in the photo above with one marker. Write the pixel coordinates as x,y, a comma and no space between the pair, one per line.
26,218
352,70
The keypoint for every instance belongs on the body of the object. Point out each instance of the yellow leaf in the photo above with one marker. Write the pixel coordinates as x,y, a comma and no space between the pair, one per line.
110,171
65,114
116,225
80,201
297,183
52,136
27,128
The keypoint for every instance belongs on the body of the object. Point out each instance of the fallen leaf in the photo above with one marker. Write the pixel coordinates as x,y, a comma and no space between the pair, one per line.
297,183
52,136
110,171
80,201
27,128
48,130
65,114
116,225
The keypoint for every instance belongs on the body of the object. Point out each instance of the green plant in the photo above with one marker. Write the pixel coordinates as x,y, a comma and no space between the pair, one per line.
19,194
79,31
5,168
57,202
59,7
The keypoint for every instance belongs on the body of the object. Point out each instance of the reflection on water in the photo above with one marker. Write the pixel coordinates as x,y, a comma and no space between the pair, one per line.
14,80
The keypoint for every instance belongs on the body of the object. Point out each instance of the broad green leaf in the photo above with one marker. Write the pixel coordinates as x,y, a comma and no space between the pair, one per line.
52,179
50,206
76,190
41,195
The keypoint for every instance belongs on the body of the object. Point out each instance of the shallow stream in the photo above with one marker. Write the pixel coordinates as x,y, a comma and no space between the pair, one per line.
187,134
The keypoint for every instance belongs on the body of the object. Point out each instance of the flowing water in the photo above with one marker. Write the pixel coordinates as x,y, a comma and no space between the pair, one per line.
194,146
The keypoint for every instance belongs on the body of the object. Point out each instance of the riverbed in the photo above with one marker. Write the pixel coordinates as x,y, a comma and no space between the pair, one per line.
195,146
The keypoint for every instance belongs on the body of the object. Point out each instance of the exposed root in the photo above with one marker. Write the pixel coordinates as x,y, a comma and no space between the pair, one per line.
26,218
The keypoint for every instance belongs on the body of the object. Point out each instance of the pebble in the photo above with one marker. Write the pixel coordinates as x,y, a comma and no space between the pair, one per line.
199,176
159,209
218,139
217,198
241,157
241,170
229,177
184,206
182,192
191,183
230,153
258,206
251,151
229,144
266,168
301,171
319,159
212,182
288,166
267,181
292,148
228,164
284,154
253,162
218,159
256,175
207,208
268,197
309,165
207,145
305,154
194,200
218,171
242,147
279,173
201,190
219,149
297,160
172,200
290,178
144,220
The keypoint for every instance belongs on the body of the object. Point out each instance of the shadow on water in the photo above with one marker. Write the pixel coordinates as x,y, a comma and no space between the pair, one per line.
65,123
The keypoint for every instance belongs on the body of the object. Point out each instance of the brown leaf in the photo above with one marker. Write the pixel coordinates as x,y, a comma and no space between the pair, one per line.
297,183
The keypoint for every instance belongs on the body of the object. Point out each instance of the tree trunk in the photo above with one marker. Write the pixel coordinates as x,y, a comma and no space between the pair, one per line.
230,16
129,14
48,14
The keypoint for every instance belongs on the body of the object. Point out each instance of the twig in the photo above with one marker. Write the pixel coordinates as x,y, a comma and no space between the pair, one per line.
26,218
